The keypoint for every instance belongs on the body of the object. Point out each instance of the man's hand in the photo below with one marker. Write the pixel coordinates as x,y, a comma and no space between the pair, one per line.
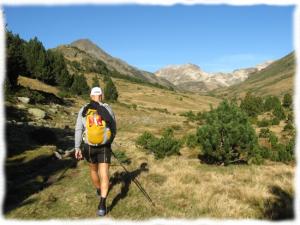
78,154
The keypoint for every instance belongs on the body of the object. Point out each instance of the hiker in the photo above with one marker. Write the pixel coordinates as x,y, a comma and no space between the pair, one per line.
96,126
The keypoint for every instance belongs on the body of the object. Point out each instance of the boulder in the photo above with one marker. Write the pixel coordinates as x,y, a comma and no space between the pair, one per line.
37,113
53,110
24,100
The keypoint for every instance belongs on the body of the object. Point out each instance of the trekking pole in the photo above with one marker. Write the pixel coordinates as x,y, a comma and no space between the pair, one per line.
137,183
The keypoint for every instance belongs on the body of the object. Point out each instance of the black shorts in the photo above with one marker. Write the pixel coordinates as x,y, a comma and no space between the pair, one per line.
97,154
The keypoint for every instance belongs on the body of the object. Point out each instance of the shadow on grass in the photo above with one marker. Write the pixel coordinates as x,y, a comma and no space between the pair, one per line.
280,207
25,179
213,161
28,172
20,138
126,179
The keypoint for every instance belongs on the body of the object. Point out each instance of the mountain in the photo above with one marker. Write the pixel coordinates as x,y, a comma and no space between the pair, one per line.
112,63
192,78
276,79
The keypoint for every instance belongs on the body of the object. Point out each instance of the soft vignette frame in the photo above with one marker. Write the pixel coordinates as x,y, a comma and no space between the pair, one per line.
296,39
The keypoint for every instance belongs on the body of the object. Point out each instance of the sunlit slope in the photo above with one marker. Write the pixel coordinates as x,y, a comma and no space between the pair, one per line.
277,79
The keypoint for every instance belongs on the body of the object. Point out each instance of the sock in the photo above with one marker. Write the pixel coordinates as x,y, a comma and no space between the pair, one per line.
98,191
102,204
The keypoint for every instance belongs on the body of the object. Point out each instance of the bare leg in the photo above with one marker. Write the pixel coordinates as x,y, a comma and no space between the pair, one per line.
104,176
94,175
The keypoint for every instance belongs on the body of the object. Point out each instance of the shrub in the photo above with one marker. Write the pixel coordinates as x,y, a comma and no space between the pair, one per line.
290,117
35,96
122,157
271,102
263,123
264,133
191,140
191,116
288,127
287,100
275,121
273,139
279,112
161,147
252,105
228,136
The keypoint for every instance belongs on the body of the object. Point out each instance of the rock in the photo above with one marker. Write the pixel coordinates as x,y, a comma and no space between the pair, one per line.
53,110
31,123
37,113
21,106
24,100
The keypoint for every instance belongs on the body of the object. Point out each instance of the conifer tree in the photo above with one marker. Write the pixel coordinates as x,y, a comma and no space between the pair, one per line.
15,61
228,136
110,90
79,85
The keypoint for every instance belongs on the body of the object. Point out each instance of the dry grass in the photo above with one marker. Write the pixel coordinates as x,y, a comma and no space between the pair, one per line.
36,85
181,186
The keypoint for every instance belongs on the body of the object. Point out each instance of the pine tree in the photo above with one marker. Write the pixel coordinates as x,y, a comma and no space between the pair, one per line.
228,136
80,86
59,70
110,90
271,102
15,61
252,105
36,60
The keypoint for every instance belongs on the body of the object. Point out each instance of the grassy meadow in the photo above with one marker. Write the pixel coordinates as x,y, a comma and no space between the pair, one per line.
182,186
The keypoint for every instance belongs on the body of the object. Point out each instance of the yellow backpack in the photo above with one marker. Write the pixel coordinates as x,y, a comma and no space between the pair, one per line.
97,133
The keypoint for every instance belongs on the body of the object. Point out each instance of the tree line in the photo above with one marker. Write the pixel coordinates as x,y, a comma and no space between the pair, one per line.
31,59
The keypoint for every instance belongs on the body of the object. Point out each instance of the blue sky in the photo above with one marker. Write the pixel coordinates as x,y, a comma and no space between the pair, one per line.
216,38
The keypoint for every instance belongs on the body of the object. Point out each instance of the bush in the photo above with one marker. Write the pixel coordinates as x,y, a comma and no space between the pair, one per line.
122,157
161,147
228,136
273,139
275,121
252,105
290,117
271,102
288,127
263,123
264,133
191,116
35,96
64,94
287,100
191,140
279,112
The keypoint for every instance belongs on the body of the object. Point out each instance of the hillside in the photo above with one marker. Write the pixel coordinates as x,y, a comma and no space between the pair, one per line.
276,79
182,186
190,77
85,52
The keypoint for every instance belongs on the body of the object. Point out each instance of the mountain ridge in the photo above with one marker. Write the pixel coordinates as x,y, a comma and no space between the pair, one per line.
94,53
183,75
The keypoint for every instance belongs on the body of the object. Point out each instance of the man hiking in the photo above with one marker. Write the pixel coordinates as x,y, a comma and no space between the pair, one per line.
96,126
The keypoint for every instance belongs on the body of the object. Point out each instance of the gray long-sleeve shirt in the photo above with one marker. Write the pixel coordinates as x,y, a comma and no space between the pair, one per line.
80,124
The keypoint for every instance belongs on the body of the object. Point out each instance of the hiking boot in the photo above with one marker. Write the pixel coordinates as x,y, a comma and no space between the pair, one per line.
101,212
102,207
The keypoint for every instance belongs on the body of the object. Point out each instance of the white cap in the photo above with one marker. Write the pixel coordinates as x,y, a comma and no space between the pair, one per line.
96,91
